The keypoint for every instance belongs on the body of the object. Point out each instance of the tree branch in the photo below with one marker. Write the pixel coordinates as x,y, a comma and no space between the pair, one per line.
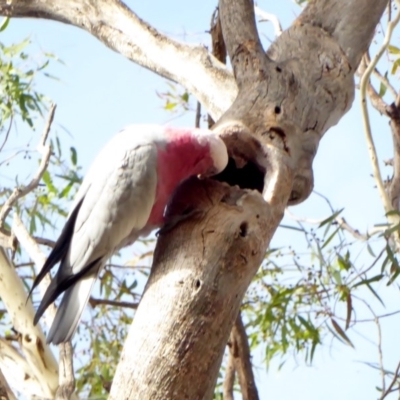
66,371
114,24
365,81
241,39
241,354
66,375
392,383
32,340
229,380
351,23
95,302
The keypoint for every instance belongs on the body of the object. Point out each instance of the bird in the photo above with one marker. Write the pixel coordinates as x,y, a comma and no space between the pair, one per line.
122,197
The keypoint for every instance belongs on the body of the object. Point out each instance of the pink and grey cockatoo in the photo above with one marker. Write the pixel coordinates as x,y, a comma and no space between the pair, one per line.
122,197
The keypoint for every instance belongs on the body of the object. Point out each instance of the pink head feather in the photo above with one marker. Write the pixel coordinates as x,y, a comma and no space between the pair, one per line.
187,152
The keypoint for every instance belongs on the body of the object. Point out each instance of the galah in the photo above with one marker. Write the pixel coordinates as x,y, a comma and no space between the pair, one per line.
122,197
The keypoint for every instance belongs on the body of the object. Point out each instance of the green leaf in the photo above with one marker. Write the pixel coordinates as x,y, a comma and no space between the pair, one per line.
293,228
375,294
330,219
375,278
343,262
327,241
4,24
382,89
394,276
340,332
337,277
170,106
185,97
74,156
396,65
393,49
49,183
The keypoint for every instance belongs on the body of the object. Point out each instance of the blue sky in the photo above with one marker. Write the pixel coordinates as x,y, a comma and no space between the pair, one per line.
99,92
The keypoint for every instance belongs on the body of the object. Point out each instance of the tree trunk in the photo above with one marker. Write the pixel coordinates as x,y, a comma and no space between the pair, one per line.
287,100
200,273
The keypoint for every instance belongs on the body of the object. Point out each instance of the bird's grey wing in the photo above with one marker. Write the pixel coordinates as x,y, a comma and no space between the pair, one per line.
114,206
117,202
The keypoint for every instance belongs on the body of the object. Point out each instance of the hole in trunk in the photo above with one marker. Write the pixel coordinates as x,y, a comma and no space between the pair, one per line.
248,177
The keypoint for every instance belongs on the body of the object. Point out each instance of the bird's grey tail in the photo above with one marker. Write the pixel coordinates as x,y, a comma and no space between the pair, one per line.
70,311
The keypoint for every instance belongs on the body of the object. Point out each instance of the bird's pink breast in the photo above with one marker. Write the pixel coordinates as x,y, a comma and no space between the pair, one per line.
181,158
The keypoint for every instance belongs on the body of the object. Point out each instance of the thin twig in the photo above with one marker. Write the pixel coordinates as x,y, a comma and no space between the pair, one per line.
379,345
383,79
45,150
96,302
7,134
44,241
367,126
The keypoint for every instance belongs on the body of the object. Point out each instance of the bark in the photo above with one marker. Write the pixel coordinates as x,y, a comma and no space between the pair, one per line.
229,379
186,337
287,99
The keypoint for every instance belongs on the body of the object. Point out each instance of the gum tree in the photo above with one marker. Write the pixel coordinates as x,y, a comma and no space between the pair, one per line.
272,110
